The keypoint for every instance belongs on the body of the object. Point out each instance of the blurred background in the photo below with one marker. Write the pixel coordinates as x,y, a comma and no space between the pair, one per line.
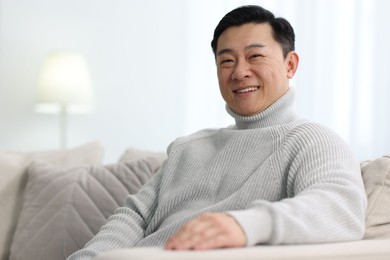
153,78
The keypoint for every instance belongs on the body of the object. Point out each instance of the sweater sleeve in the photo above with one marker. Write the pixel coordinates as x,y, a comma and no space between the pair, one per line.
325,202
127,225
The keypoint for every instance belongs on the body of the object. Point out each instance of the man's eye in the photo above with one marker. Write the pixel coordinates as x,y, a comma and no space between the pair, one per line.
254,56
225,61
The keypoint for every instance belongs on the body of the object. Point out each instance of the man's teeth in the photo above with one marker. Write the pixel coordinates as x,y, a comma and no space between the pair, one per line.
246,90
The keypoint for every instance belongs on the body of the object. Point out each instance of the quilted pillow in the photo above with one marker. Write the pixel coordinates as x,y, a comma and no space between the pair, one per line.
376,177
64,209
13,177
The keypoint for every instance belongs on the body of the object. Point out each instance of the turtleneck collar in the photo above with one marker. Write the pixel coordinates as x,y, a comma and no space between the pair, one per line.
280,112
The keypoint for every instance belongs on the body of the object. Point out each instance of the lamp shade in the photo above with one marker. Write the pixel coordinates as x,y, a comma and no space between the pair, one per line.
64,82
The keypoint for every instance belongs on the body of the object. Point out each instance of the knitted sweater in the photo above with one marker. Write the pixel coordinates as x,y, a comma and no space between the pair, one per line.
285,180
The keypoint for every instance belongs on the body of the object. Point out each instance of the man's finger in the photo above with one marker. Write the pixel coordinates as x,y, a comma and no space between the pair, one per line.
191,234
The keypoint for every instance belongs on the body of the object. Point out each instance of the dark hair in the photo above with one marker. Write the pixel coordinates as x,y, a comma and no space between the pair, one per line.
283,32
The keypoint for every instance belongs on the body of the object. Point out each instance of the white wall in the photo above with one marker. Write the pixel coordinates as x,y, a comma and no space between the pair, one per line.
135,53
154,76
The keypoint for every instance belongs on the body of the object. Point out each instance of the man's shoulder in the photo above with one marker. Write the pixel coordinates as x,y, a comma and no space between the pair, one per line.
309,132
306,127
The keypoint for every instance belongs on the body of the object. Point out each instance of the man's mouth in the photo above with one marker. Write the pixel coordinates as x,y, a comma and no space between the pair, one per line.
245,90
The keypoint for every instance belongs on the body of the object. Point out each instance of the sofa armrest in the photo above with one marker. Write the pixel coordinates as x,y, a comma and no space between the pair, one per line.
361,250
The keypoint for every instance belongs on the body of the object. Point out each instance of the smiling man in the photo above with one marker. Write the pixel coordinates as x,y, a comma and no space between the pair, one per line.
272,178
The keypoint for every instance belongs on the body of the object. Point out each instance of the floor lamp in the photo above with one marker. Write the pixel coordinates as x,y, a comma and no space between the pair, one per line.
64,88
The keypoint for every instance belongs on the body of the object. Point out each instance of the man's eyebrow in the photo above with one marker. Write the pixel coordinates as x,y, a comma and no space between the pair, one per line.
255,45
224,51
251,46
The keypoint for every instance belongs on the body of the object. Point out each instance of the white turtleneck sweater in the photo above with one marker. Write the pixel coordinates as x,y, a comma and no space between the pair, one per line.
285,180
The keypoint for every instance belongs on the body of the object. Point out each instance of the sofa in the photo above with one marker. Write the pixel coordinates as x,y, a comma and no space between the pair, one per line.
53,202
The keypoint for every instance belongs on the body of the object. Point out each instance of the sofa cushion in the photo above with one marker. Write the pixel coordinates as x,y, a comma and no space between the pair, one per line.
376,177
13,177
132,154
64,209
354,250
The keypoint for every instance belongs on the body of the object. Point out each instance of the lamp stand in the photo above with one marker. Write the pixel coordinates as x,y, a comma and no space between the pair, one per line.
63,126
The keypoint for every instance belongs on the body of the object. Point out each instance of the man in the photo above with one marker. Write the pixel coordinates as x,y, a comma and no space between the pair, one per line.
271,178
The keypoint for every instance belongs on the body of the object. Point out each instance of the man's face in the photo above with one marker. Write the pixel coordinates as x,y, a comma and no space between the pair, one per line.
252,71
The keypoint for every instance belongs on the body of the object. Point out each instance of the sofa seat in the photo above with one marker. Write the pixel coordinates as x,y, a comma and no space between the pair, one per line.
357,250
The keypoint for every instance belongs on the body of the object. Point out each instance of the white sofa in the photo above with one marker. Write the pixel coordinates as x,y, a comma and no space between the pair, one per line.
53,202
362,250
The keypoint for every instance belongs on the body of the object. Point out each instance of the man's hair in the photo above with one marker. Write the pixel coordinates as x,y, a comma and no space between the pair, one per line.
283,32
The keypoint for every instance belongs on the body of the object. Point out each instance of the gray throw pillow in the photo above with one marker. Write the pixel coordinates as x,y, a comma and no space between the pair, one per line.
64,209
13,179
376,177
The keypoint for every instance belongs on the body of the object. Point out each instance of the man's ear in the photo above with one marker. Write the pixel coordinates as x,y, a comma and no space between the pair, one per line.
292,63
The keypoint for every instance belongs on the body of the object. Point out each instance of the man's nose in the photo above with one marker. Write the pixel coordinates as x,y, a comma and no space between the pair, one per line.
241,71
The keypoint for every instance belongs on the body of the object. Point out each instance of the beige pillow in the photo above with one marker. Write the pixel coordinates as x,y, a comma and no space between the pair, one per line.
132,154
64,209
376,177
13,167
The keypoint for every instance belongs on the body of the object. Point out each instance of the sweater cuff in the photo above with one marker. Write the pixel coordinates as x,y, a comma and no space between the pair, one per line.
256,223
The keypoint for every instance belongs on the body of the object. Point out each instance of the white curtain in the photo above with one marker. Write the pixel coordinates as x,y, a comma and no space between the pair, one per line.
343,79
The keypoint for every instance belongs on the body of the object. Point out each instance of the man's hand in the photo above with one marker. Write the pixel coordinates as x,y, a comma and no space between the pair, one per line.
209,230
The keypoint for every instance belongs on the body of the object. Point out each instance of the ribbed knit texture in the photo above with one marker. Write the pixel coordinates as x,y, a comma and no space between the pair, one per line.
284,179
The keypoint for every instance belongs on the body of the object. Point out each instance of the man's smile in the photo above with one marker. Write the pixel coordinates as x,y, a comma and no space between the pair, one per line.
245,90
